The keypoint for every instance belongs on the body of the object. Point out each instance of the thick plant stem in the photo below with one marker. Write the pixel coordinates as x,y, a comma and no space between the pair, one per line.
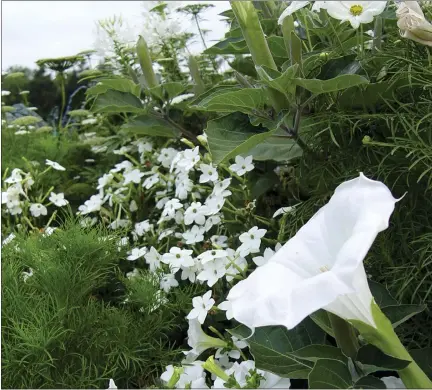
253,34
385,338
345,336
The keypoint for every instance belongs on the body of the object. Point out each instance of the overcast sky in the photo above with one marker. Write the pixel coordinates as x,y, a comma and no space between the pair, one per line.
32,30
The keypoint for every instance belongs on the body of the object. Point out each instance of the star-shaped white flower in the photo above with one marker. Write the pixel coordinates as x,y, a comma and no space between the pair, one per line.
55,165
194,235
201,306
251,241
209,173
195,213
242,165
58,199
37,209
136,253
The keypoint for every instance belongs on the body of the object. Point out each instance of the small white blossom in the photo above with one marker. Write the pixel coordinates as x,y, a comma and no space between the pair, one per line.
195,213
209,173
136,253
55,165
151,181
37,209
251,241
178,257
142,227
153,259
133,176
242,165
194,235
167,282
212,272
58,199
201,306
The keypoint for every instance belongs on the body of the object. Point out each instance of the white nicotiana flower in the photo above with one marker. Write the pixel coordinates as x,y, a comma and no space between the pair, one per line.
91,205
355,12
167,282
178,257
219,241
37,209
133,176
180,98
153,259
199,341
170,209
322,265
296,5
125,165
211,221
119,223
185,160
184,186
194,235
413,24
242,165
195,213
242,371
123,150
251,241
201,306
58,199
212,272
166,156
226,306
209,173
211,255
192,376
142,227
111,384
144,146
151,181
392,382
55,165
268,253
133,206
15,177
136,253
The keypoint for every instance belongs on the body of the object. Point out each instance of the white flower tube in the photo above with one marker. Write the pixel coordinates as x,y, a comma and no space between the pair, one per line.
322,265
413,24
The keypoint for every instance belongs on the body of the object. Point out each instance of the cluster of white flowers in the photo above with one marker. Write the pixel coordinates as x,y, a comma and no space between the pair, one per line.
16,195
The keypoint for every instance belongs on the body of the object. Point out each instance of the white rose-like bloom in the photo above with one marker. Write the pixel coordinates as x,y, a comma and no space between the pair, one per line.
413,24
355,12
322,265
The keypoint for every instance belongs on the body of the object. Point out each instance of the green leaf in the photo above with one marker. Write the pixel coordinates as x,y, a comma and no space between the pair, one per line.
373,359
283,82
330,374
398,314
244,65
233,134
381,294
271,347
122,85
338,66
322,319
244,100
277,47
336,84
168,90
147,125
423,357
231,45
369,382
113,101
315,352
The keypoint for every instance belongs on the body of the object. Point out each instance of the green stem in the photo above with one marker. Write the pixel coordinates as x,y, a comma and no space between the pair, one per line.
377,40
63,96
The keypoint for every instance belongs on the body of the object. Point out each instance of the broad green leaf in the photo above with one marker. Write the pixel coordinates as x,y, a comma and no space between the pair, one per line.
381,294
115,101
277,47
231,45
122,85
168,90
369,382
398,314
147,125
336,84
244,65
367,96
283,82
233,134
315,352
245,100
423,357
271,347
338,66
218,90
330,374
373,359
322,319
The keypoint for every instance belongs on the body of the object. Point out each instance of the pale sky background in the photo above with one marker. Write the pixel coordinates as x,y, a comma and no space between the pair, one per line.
32,30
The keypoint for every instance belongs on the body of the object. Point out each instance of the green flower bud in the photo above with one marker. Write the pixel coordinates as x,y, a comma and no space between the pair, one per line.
145,61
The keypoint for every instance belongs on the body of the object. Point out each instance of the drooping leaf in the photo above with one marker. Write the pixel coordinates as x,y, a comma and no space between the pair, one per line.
271,347
314,352
423,357
398,314
381,294
336,84
369,382
245,100
277,47
373,359
233,134
147,125
330,374
113,101
122,85
322,319
230,45
244,65
283,82
168,90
